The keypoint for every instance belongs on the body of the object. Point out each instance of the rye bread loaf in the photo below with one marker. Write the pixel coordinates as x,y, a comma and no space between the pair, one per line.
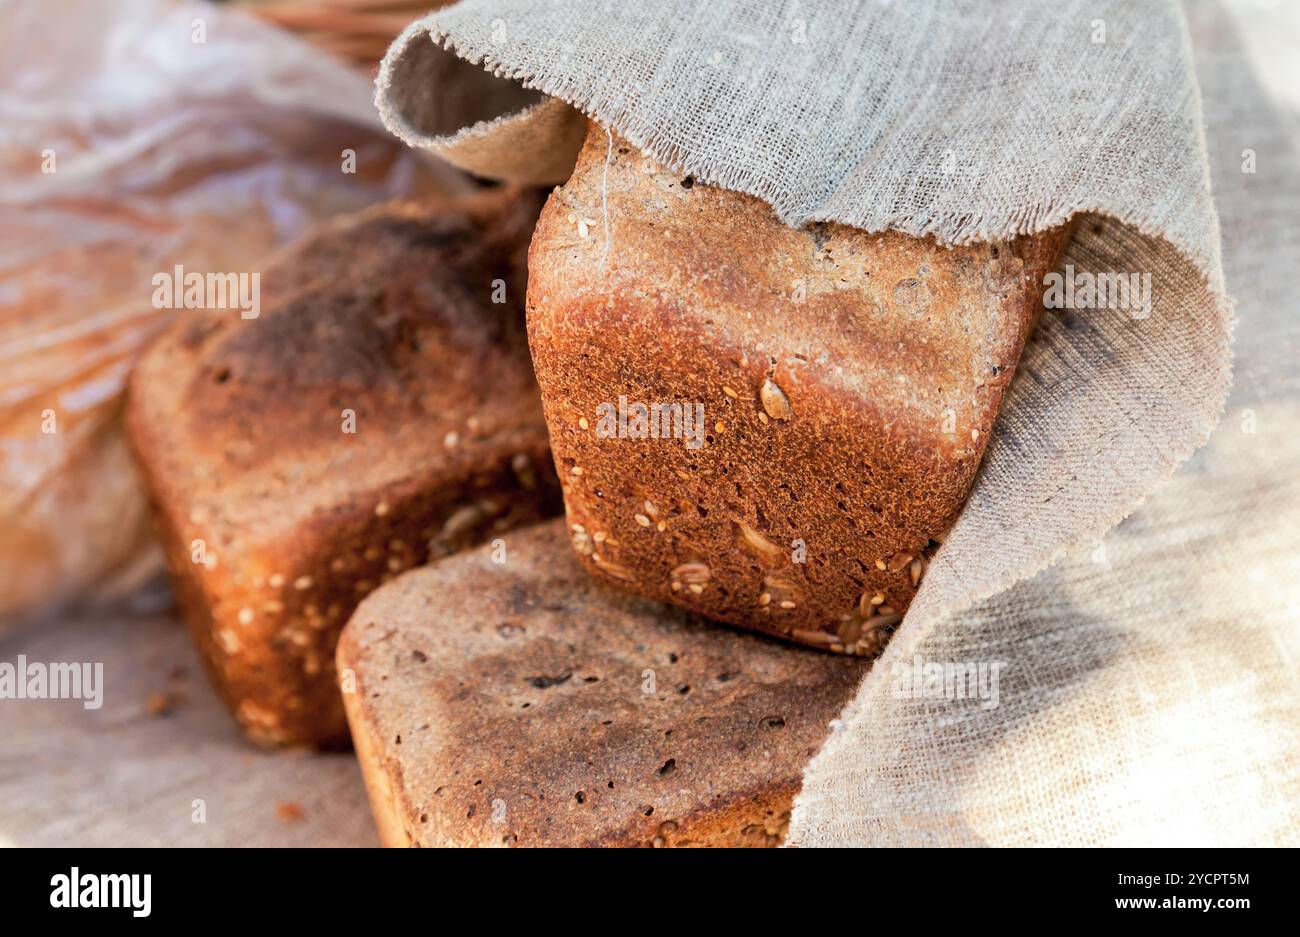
381,409
845,385
524,703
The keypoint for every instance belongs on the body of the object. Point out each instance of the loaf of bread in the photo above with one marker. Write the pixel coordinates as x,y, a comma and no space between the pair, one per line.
379,410
769,426
505,697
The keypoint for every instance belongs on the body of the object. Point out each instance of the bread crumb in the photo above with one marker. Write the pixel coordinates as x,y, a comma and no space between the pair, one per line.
161,703
289,812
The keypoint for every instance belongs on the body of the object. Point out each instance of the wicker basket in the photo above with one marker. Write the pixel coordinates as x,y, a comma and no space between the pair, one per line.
357,30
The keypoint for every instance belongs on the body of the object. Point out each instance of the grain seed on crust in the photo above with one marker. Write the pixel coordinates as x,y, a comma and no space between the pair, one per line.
774,400
757,541
808,636
692,573
616,570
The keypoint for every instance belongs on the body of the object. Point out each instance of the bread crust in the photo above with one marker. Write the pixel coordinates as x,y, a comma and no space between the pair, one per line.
379,409
849,382
528,704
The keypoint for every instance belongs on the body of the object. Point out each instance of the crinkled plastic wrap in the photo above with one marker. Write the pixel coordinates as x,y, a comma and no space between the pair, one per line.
136,135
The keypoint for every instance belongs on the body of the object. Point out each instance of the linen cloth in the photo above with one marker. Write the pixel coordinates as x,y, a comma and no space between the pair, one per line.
1152,694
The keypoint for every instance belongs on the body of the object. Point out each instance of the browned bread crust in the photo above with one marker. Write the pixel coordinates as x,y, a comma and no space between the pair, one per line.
848,381
527,704
384,323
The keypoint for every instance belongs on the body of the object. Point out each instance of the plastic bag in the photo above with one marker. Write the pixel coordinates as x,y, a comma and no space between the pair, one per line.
136,135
